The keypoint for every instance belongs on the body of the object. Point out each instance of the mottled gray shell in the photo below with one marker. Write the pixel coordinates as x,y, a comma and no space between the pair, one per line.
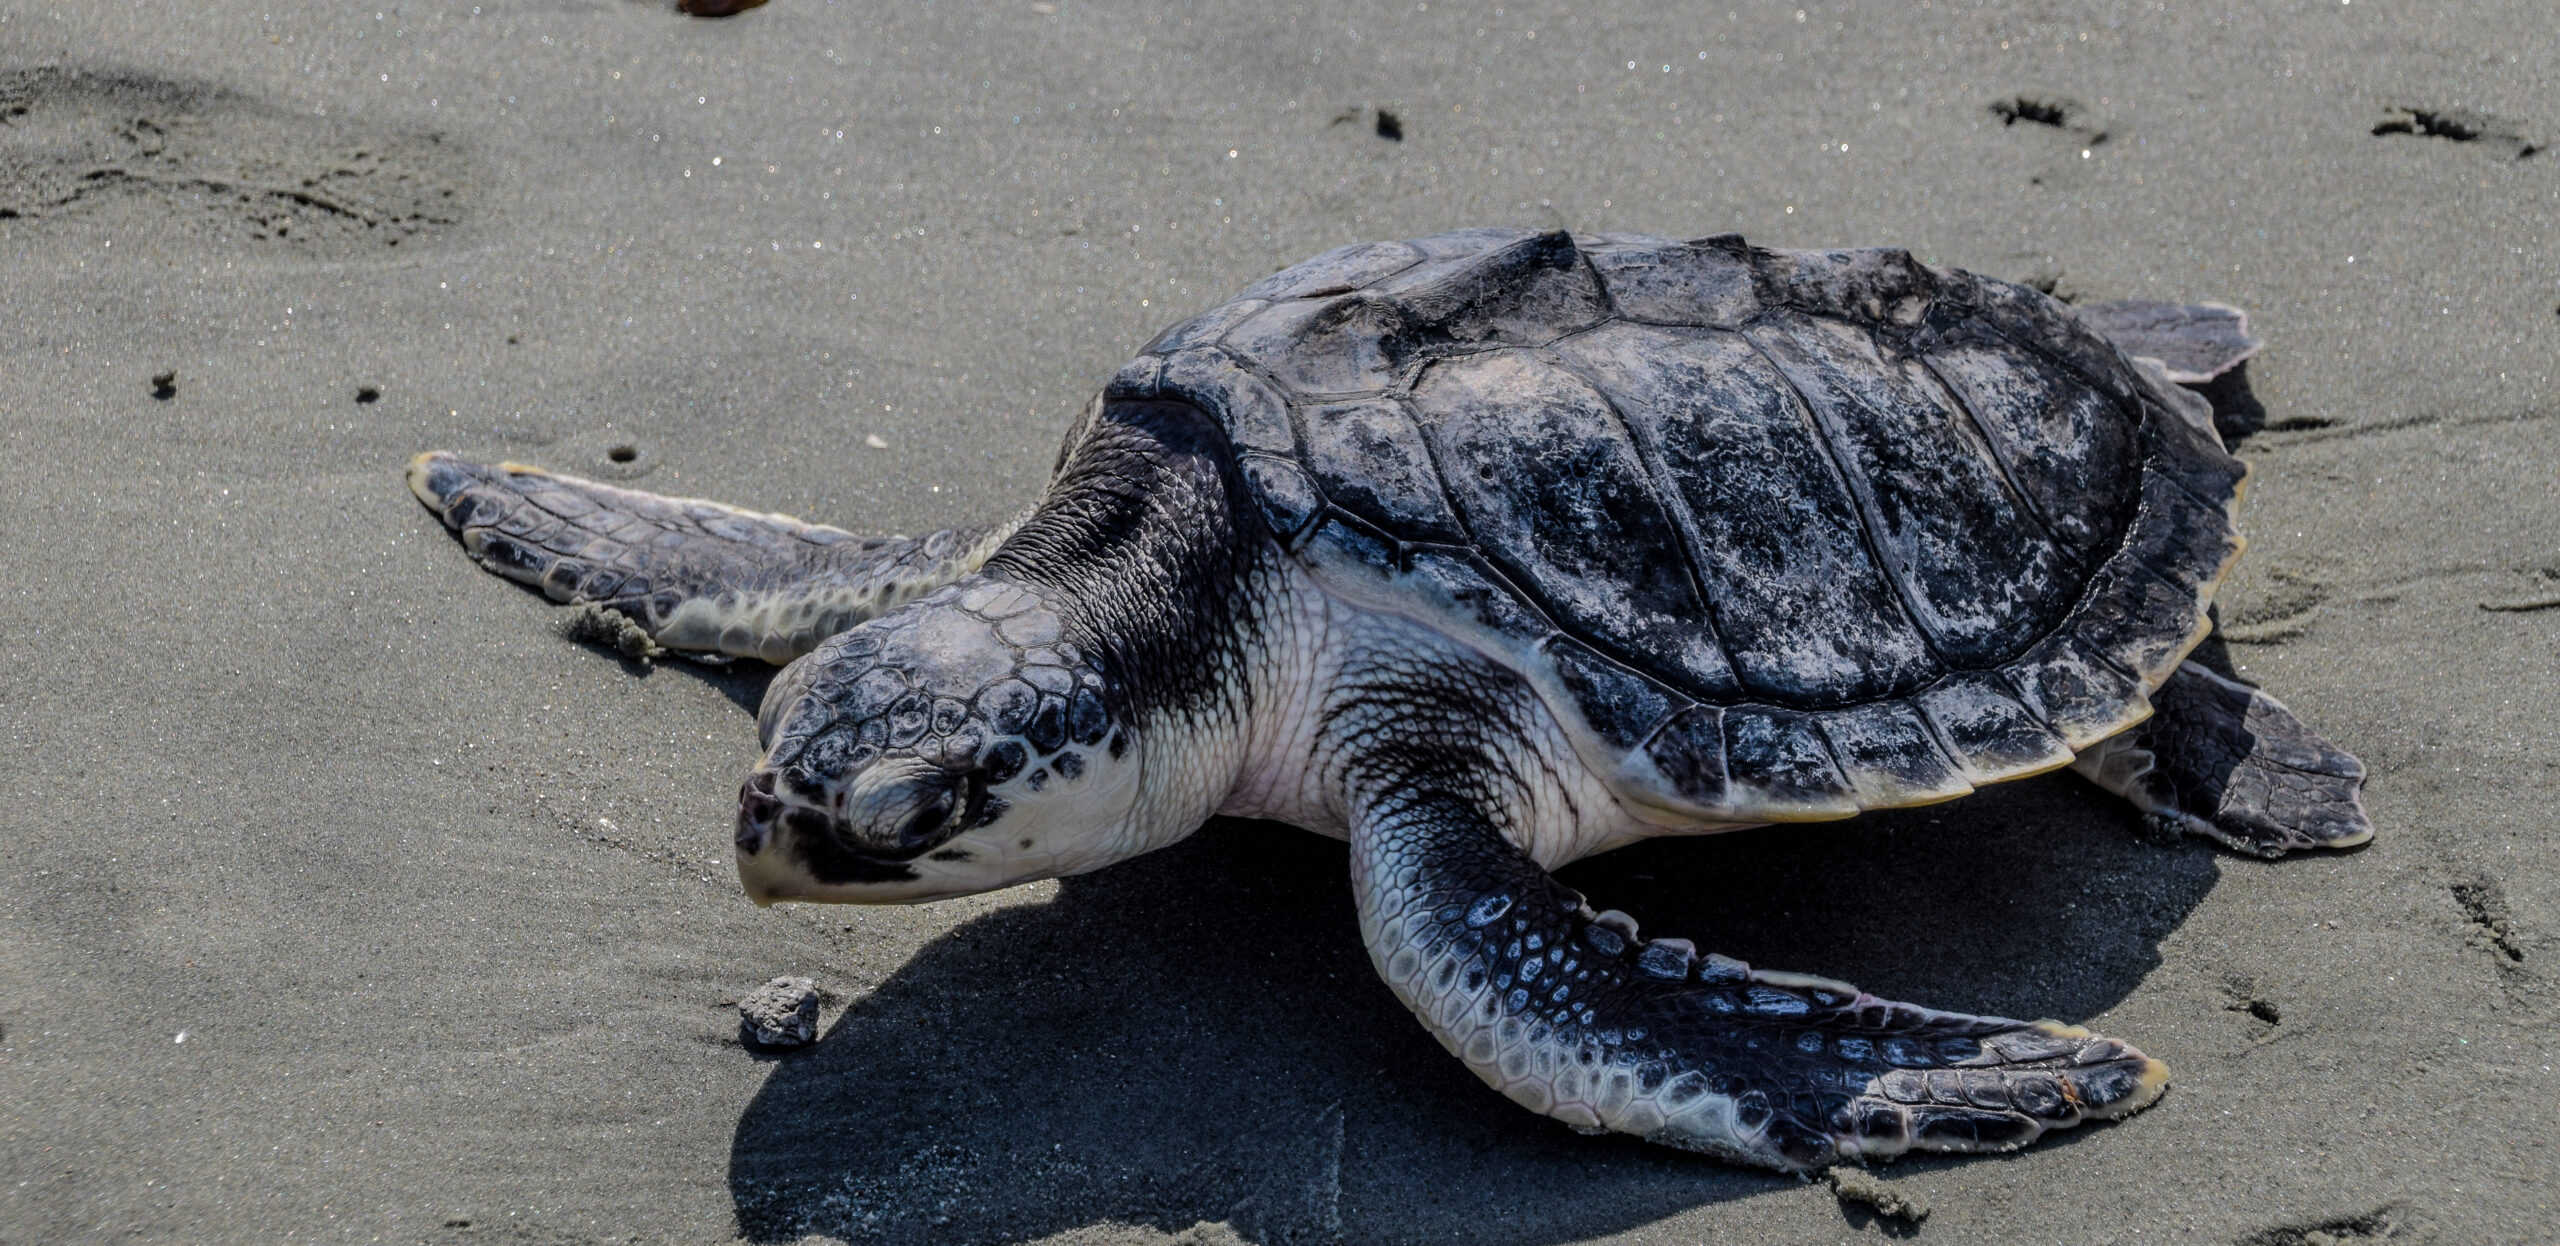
1778,534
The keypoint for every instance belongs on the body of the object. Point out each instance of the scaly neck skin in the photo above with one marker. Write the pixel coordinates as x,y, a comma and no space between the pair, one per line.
1149,545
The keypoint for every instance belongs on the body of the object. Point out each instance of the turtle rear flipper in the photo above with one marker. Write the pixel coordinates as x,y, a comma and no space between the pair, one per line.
693,575
2221,759
2193,342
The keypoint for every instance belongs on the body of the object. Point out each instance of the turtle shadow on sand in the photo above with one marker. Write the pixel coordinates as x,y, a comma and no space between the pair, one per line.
1197,1035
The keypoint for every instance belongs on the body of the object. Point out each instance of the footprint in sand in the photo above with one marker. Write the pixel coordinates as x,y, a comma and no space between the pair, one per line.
85,150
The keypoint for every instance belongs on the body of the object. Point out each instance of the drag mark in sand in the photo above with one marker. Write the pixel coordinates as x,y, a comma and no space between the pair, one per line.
2544,595
2068,162
125,151
2052,112
2484,906
2388,1222
1383,123
2462,125
2293,599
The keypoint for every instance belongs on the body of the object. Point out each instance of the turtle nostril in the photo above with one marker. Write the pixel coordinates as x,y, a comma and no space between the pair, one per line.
757,809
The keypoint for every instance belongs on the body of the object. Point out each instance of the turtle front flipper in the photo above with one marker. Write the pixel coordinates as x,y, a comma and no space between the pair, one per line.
2224,760
1572,1015
694,575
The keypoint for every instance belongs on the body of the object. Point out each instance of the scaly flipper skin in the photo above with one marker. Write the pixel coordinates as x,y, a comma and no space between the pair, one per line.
694,575
1573,1015
2192,342
2221,759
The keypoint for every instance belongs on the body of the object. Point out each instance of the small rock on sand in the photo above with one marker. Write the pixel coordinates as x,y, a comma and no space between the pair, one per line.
781,1013
1858,1186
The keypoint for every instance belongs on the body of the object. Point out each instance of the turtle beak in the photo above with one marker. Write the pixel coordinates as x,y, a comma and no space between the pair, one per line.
762,883
759,815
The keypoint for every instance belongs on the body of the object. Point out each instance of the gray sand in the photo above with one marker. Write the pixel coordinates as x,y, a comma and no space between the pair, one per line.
342,899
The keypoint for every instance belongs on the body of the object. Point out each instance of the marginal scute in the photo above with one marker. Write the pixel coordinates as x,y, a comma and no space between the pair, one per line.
1991,733
1688,754
2080,695
1621,706
1256,418
1777,762
2150,625
2180,536
2191,456
1890,757
2184,403
1369,459
1288,499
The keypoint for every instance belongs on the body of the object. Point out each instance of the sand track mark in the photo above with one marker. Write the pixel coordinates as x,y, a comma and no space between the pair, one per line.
2053,112
2388,1223
2484,907
108,151
2462,125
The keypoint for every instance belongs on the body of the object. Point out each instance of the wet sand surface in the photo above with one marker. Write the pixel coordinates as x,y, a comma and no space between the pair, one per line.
342,899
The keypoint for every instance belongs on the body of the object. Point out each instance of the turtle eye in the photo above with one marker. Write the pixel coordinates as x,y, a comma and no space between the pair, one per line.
924,826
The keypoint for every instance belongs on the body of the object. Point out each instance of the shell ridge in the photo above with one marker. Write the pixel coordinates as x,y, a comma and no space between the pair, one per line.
1862,501
1413,415
1608,297
2057,359
2109,660
2019,695
1937,733
1459,513
1683,521
1999,454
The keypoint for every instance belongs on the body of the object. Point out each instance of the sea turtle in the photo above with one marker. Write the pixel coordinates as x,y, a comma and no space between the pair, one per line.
1492,550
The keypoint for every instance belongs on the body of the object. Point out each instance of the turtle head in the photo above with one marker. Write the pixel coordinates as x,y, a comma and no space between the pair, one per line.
958,744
